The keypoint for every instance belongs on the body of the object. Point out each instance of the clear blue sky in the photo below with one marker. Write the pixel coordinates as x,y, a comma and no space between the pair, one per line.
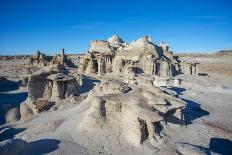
49,25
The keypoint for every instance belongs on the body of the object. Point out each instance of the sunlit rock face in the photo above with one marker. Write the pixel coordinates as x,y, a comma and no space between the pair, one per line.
115,55
150,58
132,111
45,87
115,41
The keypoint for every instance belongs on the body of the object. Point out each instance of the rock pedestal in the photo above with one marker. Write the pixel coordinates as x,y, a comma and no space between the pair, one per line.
189,68
62,85
45,87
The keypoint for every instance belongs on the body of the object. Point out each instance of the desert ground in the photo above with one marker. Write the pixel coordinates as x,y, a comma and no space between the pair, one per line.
65,129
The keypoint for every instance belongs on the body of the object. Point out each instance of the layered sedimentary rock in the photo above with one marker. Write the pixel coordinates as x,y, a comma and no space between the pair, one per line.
99,58
148,57
114,55
189,68
45,87
138,112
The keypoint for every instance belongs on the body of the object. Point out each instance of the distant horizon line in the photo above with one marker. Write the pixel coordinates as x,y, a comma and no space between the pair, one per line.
80,53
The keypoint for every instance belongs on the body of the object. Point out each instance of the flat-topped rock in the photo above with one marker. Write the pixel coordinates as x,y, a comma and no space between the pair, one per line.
60,77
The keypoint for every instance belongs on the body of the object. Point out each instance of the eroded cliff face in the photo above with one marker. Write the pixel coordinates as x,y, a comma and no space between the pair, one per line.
114,55
136,114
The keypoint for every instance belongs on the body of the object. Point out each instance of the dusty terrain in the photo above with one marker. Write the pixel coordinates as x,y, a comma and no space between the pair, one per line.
207,128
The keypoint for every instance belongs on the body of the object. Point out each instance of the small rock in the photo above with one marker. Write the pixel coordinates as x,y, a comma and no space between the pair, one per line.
12,115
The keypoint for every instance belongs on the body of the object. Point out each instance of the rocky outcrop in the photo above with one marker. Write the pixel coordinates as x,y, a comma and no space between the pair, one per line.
45,87
150,58
41,60
114,55
115,41
189,68
100,46
12,115
138,112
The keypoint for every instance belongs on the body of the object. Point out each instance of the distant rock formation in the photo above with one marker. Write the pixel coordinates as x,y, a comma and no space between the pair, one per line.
114,55
189,68
41,60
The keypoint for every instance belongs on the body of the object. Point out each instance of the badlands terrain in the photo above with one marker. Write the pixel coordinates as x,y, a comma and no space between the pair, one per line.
112,100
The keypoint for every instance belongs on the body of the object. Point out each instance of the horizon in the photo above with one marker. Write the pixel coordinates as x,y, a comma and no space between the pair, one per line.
188,27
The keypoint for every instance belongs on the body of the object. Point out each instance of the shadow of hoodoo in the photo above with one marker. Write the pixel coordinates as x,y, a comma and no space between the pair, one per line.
87,84
192,110
39,147
8,101
9,133
216,145
7,85
178,90
13,99
220,146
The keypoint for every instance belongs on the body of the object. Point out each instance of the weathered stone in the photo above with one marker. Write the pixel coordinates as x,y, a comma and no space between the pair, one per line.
41,60
45,87
43,105
115,55
24,81
12,115
25,111
189,68
161,81
142,109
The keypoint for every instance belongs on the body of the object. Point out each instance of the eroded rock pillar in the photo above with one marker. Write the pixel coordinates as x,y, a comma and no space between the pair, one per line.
101,66
164,71
58,89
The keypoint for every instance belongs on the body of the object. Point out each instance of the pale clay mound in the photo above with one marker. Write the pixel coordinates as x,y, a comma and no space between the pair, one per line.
119,98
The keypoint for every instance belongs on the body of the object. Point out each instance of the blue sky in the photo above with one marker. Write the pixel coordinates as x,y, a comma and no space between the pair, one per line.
49,25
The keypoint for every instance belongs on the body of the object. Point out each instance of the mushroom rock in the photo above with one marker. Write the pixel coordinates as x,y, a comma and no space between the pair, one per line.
45,87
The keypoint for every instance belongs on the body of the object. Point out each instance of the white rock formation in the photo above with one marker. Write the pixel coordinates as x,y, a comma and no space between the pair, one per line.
45,87
136,112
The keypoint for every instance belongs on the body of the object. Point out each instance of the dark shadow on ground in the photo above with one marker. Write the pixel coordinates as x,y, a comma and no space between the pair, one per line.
39,147
216,145
203,74
13,99
192,110
9,86
221,146
9,101
178,90
87,84
9,133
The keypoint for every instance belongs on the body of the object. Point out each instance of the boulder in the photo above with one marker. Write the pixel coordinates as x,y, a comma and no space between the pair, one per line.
12,115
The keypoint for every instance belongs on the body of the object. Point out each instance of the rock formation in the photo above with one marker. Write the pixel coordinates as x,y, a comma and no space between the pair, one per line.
99,58
189,68
12,115
40,60
114,55
138,112
45,87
